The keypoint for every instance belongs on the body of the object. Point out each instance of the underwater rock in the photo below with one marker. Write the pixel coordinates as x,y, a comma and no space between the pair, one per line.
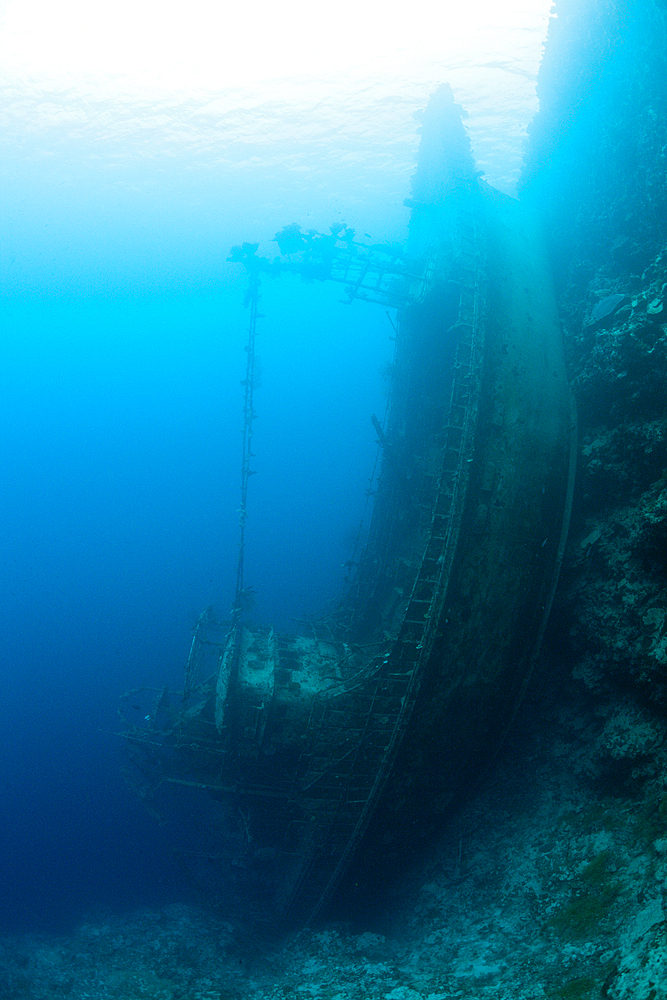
615,599
624,755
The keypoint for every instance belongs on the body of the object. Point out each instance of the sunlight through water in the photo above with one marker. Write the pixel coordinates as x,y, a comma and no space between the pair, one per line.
224,122
153,46
184,78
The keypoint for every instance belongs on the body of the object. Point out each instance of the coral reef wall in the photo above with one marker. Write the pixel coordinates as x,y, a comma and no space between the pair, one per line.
597,167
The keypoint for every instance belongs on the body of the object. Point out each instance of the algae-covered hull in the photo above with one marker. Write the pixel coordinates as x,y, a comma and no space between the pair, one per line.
389,706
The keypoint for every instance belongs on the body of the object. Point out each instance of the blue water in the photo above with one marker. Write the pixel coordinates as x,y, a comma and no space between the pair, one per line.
123,329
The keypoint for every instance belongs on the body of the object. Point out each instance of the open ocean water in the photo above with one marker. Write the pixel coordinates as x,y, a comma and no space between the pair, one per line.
138,145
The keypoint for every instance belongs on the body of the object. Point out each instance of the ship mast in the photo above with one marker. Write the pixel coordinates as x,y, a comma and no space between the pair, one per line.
252,300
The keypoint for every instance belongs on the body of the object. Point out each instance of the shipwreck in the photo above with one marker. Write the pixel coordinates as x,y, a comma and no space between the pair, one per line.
345,739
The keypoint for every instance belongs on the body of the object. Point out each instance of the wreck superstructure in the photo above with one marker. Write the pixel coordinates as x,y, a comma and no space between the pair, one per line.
387,707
